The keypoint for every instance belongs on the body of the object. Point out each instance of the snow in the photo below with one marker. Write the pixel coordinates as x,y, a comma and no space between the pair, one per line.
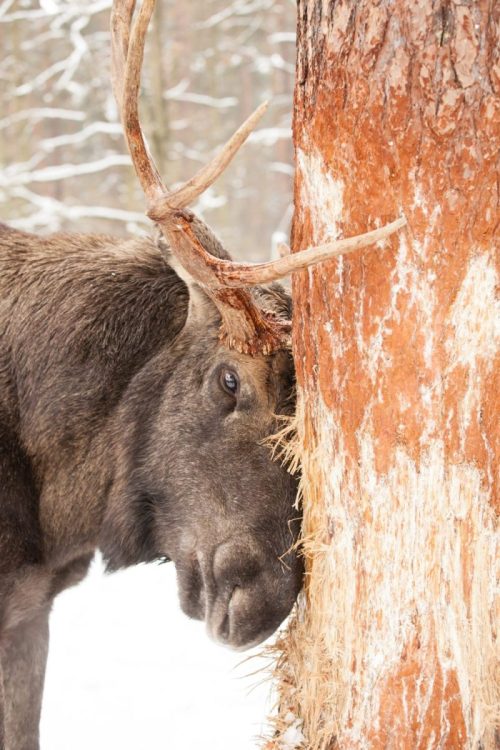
292,738
128,670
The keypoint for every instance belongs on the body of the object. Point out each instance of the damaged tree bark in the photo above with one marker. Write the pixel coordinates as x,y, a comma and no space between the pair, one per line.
397,112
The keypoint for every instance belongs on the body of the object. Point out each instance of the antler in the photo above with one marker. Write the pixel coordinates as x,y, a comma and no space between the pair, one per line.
245,326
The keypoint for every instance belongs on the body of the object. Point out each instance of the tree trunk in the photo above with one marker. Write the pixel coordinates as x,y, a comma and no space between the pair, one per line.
396,348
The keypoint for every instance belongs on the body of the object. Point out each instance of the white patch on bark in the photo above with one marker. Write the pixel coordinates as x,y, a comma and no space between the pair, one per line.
406,278
403,547
397,73
475,318
475,315
465,46
324,197
322,194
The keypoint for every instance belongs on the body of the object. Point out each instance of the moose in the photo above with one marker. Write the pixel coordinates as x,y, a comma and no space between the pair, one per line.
139,380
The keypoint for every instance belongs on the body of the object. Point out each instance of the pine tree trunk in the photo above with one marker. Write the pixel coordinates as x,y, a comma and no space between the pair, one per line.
396,348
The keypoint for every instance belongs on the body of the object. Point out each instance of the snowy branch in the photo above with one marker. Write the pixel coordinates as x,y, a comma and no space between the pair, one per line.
96,128
49,206
270,136
63,11
237,8
63,171
42,113
179,93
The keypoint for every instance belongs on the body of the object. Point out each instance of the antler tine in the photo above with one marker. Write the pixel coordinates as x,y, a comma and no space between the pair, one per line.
244,326
206,176
121,19
218,273
128,54
246,274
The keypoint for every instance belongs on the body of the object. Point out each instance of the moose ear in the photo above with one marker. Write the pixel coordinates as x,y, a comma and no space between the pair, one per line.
201,307
276,298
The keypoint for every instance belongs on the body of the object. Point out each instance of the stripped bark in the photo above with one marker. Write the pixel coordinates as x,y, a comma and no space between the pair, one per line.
395,644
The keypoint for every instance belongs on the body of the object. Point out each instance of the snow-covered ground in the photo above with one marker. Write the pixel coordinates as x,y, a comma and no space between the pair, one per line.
128,671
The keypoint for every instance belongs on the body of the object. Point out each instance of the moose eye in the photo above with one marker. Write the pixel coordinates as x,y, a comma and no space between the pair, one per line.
229,382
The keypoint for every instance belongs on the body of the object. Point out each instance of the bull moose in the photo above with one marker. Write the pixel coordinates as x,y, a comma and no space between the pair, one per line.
139,380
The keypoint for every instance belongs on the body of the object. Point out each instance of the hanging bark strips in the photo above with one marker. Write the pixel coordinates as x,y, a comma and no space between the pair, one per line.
397,354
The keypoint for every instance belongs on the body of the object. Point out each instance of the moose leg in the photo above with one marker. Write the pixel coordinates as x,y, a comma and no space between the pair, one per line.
23,657
2,740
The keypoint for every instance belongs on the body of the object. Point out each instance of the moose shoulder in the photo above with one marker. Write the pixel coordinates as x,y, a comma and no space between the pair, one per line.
126,424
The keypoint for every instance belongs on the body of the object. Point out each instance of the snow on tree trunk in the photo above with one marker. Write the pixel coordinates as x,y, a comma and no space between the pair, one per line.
396,348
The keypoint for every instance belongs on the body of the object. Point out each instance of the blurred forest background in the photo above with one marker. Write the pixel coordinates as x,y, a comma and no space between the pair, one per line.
63,161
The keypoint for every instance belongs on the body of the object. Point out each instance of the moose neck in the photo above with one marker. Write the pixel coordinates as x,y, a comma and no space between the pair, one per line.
81,316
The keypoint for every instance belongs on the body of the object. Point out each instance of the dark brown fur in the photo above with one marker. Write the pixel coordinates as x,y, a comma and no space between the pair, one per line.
114,432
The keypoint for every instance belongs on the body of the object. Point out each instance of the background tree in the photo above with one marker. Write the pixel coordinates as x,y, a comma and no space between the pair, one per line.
396,347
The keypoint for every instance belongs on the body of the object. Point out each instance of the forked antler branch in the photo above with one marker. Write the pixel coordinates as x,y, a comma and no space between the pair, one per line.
219,273
127,53
245,326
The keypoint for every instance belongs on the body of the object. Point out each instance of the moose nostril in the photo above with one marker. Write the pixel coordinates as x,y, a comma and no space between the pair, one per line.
224,628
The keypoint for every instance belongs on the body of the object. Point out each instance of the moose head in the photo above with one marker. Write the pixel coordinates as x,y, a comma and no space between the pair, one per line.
196,481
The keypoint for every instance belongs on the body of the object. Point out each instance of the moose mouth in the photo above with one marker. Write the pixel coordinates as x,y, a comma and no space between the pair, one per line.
241,606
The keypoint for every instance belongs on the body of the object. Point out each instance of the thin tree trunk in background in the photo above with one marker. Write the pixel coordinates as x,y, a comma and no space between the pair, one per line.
396,347
160,128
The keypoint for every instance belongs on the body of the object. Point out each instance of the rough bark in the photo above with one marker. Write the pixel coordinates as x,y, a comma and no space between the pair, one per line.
396,347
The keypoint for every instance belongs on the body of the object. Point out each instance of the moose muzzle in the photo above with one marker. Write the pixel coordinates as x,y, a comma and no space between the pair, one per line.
243,592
